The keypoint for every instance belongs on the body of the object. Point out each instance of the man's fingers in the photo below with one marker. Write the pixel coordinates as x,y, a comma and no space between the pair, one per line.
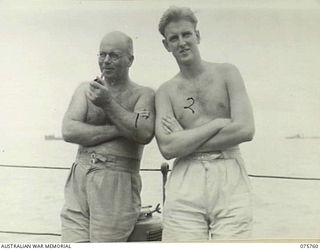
166,129
93,89
166,123
99,80
169,126
167,119
95,85
170,118
173,121
91,95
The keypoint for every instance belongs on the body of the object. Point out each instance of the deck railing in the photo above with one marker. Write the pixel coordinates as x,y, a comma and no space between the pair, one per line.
164,169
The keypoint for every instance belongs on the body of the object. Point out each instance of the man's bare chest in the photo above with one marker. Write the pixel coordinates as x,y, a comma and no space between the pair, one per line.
97,116
193,104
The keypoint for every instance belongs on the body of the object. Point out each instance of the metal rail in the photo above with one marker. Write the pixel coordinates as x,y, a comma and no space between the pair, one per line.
29,233
165,169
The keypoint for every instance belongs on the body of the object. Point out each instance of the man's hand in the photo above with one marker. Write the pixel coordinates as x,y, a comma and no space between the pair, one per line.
98,93
170,124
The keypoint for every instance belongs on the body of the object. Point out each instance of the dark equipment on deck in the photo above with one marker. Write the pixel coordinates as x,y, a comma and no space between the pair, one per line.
149,226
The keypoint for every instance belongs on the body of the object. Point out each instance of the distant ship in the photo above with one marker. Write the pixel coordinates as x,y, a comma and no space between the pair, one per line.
301,136
52,137
297,136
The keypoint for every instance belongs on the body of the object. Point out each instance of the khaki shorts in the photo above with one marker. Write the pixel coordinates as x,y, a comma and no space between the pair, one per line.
102,199
208,196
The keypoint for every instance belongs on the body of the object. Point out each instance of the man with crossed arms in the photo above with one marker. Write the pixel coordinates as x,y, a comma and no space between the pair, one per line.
111,118
202,114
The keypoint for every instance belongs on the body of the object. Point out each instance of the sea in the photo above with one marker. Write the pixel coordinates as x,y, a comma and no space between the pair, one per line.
31,198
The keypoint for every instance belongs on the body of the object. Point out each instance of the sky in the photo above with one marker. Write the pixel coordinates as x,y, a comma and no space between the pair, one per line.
48,47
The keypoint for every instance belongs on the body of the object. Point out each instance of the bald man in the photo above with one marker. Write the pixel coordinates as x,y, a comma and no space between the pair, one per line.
111,118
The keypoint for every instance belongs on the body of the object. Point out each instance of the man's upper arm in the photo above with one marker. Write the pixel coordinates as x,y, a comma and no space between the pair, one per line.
146,103
163,108
78,106
241,110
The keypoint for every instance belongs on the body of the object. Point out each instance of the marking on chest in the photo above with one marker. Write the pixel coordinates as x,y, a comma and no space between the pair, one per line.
191,102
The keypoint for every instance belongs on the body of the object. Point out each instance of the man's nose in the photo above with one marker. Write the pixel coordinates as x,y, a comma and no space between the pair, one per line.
182,42
107,59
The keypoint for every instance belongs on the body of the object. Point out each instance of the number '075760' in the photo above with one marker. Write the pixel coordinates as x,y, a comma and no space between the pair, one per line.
309,245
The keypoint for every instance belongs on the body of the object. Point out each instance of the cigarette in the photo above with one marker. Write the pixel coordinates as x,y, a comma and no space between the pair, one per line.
96,79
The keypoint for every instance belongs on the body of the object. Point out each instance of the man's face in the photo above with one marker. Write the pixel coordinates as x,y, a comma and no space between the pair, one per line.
182,40
114,59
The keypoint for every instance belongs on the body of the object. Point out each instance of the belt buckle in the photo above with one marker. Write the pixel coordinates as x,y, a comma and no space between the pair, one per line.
95,158
210,156
218,156
110,158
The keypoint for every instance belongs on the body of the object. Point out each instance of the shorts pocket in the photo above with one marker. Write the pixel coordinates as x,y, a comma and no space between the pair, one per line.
73,166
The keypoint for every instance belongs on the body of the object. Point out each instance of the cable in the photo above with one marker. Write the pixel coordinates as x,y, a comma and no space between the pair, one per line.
29,233
158,170
38,167
63,168
147,169
284,177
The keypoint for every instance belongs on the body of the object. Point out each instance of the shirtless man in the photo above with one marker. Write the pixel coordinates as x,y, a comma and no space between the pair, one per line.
202,114
111,118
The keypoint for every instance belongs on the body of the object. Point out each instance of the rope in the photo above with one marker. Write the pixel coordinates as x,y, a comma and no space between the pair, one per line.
150,169
29,233
284,177
146,169
38,167
63,168
159,170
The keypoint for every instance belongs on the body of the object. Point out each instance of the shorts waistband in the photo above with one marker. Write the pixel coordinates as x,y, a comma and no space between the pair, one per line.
230,153
113,162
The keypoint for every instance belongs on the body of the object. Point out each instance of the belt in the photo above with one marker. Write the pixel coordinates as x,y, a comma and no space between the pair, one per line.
229,153
112,162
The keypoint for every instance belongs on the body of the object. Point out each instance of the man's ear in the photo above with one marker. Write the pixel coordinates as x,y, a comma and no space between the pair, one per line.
131,58
198,35
165,44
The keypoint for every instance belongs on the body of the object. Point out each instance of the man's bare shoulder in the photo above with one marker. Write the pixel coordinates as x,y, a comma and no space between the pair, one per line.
169,85
142,90
225,69
221,67
82,88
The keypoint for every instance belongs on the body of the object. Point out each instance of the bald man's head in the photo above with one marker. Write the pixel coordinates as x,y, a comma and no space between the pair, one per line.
115,55
119,40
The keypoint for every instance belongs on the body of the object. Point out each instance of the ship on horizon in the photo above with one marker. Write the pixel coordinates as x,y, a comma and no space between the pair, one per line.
301,136
52,137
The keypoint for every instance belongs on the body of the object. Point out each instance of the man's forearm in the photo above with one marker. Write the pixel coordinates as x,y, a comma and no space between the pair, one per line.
88,135
130,124
231,135
184,142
